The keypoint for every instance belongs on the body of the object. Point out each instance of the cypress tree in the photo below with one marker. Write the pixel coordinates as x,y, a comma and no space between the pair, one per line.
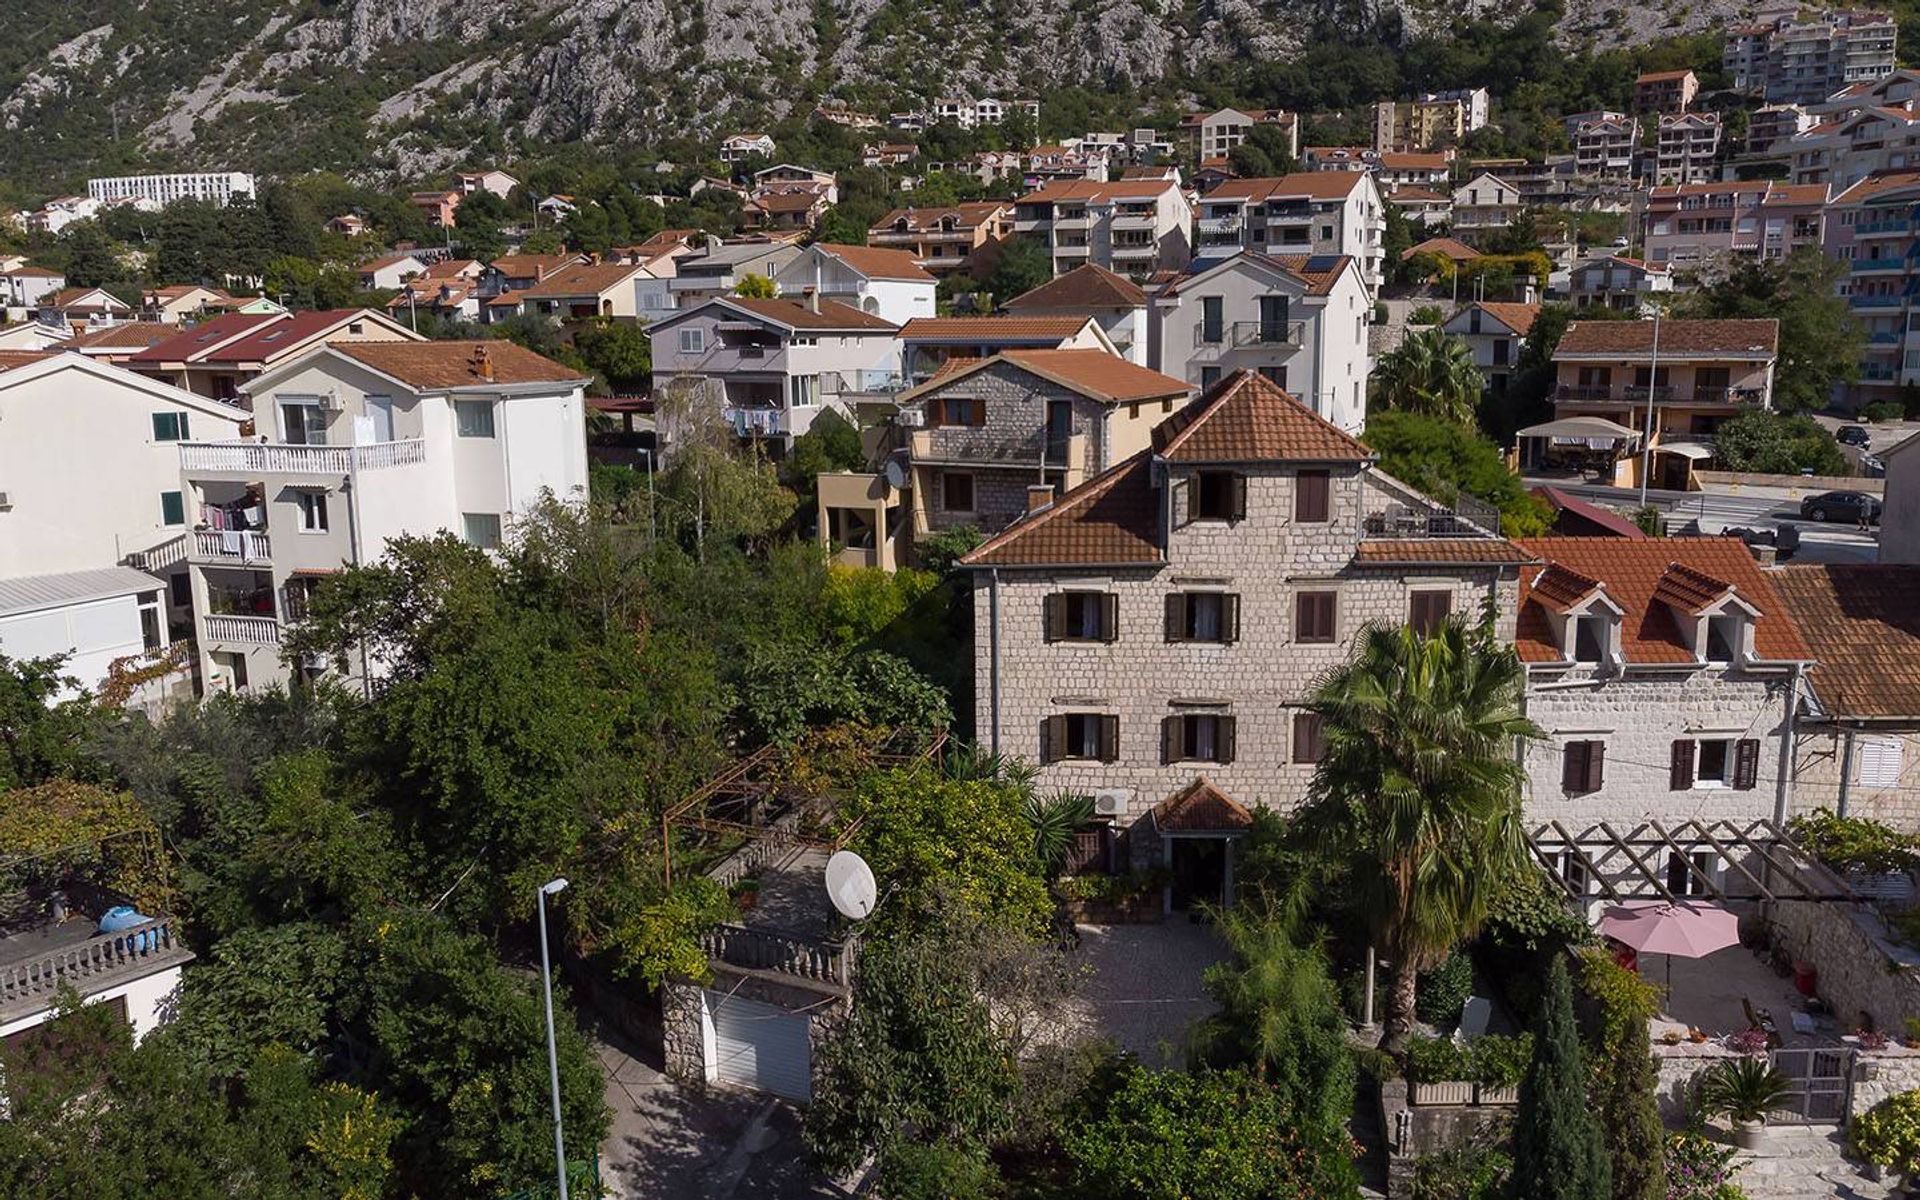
1558,1153
1636,1141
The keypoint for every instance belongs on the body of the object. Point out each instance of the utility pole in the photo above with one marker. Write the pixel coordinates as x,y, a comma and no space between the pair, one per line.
1646,439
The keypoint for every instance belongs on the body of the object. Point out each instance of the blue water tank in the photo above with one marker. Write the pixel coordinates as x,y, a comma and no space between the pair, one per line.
121,917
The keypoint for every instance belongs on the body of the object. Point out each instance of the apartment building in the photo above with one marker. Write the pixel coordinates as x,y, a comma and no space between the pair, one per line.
884,283
216,358
1691,224
739,147
24,288
1300,321
1134,227
210,187
1771,128
1483,207
496,181
1870,228
1126,629
1847,149
60,212
968,112
1665,91
1495,333
715,271
947,241
587,290
1215,135
360,442
1805,58
1115,303
1607,146
1687,148
1430,121
928,344
1310,213
1423,206
1660,672
1896,89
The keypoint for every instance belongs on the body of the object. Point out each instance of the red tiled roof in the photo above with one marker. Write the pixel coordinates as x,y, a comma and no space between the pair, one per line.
1247,417
989,330
189,344
1662,76
1319,278
1612,522
1560,587
1111,519
876,262
1200,807
831,314
587,279
1089,285
1092,191
1863,622
1517,317
1734,338
1317,185
1096,372
531,266
1465,550
9,359
1689,590
1445,247
966,216
128,335
437,365
284,336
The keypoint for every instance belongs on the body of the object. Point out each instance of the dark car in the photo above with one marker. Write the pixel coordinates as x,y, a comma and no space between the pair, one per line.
1852,435
1840,506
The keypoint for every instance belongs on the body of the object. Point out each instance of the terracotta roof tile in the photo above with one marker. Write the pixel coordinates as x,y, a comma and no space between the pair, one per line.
437,365
1689,590
992,329
1517,317
1248,418
1093,192
1200,807
1560,587
1863,622
966,216
1445,247
1734,338
831,315
876,262
1408,194
1315,185
1487,550
1087,286
1606,519
583,280
1104,375
1316,272
9,359
128,335
531,266
1111,519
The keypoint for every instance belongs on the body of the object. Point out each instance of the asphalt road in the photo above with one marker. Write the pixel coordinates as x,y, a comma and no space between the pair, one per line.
1831,541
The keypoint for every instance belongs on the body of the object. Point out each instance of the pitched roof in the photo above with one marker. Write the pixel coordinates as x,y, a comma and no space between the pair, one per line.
1643,578
1517,317
1316,272
1113,518
1662,76
389,260
965,216
531,266
9,359
1095,374
1093,192
1408,194
71,297
1247,417
1445,247
1873,185
188,344
433,366
1733,338
128,335
877,262
1315,185
993,329
1089,285
281,337
831,315
586,279
1464,550
1863,622
1612,522
802,200
1560,587
1200,807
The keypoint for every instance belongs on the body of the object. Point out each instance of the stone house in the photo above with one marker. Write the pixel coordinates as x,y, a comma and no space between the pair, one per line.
1125,631
927,344
1495,332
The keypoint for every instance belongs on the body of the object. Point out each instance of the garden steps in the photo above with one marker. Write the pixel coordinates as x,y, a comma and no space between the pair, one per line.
1805,1163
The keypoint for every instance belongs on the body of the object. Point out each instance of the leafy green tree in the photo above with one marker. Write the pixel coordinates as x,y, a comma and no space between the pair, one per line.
1267,152
1558,1153
1431,373
1820,342
785,689
40,732
1418,791
542,241
1778,444
89,256
1445,459
831,443
619,353
264,987
1022,266
755,287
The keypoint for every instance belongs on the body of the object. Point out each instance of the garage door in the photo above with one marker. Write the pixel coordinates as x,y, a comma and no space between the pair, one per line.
760,1046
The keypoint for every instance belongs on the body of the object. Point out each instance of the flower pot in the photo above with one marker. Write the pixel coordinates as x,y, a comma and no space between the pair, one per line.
747,900
1487,1093
1750,1135
1446,1092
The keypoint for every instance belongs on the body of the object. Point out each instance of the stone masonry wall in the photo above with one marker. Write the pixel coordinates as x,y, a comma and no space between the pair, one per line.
1016,419
683,1047
1863,974
1817,753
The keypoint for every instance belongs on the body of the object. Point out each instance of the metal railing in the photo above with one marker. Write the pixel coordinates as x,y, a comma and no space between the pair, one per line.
781,952
227,627
1220,225
842,383
240,545
41,976
283,458
1467,518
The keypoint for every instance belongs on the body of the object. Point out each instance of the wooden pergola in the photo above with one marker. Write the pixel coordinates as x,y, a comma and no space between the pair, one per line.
1638,864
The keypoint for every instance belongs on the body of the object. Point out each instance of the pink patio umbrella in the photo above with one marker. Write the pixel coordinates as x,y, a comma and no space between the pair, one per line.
1685,928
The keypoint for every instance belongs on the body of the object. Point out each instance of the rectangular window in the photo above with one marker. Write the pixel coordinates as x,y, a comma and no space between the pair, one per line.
1312,496
473,418
153,627
693,341
956,492
302,423
1314,617
1203,617
1309,737
1574,872
170,427
173,508
1197,737
1092,737
313,511
957,410
1723,639
1582,766
1219,496
481,529
1715,762
1684,873
1878,762
1212,322
1428,611
1208,377
1082,617
1589,639
180,589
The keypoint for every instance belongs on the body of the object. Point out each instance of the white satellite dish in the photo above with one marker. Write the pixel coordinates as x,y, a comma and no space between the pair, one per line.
850,885
896,474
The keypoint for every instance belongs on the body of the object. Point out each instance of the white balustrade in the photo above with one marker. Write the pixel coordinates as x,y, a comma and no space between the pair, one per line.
277,458
259,631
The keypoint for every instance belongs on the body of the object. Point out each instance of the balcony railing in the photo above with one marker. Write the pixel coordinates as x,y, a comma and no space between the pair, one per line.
868,382
1468,518
781,952
278,458
89,965
1879,264
1639,394
1886,337
1876,301
1268,333
235,545
168,553
257,631
1220,226
1135,250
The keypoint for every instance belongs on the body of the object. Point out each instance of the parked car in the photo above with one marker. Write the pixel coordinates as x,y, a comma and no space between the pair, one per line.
1852,435
1872,467
1840,506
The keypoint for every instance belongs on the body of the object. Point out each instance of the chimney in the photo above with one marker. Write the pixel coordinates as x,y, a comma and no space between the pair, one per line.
713,244
811,298
483,363
1039,495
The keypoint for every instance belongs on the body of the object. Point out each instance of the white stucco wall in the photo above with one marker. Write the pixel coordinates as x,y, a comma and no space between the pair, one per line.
94,633
150,1003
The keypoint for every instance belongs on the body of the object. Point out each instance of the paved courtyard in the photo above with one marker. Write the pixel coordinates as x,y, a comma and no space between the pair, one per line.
1143,985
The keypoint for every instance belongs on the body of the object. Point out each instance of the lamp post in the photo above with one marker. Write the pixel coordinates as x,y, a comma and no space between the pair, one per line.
552,888
1646,439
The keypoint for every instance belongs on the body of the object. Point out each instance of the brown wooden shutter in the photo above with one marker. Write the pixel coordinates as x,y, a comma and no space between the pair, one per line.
1307,739
1109,738
1311,495
1223,737
1176,616
1109,617
1230,618
1596,765
1315,617
1680,766
976,412
1746,764
1573,767
1170,730
1054,615
1053,739
936,412
1239,510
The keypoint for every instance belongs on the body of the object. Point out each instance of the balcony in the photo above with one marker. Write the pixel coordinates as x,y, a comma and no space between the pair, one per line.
1221,226
1863,265
756,422
1134,251
870,382
253,631
1469,518
1073,220
232,545
1287,334
33,968
276,458
782,952
1876,301
1135,220
1886,337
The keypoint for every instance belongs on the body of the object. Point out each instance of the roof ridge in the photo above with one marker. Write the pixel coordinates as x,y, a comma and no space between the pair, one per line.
1071,501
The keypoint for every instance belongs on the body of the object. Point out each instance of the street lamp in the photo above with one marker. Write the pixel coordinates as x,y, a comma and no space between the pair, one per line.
1653,382
552,888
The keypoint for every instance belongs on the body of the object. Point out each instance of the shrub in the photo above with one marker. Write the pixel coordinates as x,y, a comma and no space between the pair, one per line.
918,1171
1883,410
1855,843
1742,1089
1112,888
1462,1173
1699,1169
1495,1060
1443,991
1749,1041
1435,1060
1889,1133
1623,996
1650,521
1426,314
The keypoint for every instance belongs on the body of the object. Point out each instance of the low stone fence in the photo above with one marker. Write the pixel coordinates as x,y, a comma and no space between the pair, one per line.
1414,1130
1810,483
1868,979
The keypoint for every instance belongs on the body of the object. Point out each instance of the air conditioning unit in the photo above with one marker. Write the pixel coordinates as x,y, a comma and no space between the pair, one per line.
1111,802
331,403
910,418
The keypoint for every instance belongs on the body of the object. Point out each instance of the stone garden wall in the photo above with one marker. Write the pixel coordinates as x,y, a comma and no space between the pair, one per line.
1868,979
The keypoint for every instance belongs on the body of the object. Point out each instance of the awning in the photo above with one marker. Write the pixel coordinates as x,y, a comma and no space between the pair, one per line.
1692,450
1200,807
1580,427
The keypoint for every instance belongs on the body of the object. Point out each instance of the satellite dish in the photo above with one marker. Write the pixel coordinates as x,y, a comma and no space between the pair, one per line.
850,885
896,474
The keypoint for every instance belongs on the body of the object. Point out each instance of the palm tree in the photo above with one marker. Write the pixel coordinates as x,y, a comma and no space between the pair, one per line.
1431,373
1417,790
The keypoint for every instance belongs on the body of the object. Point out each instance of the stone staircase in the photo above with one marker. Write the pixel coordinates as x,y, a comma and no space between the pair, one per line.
1805,1163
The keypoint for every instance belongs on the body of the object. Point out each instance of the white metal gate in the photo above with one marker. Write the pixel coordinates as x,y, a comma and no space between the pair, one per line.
760,1046
1818,1079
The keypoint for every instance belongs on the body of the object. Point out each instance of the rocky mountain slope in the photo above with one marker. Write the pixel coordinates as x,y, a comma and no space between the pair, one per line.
414,84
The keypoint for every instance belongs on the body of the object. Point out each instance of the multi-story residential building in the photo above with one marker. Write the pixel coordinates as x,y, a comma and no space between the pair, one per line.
739,147
390,271
441,208
1125,629
1847,149
946,241
217,357
981,436
1423,206
1217,134
1607,146
1495,333
1300,321
1114,302
1665,91
888,284
23,288
767,368
587,290
1900,520
716,271
1393,170
496,181
1661,672
360,442
1700,373
60,212
1046,164
1687,148
82,308
1309,212
967,112
1870,228
179,302
1690,224
1896,89
1483,208
1134,227
928,344
1771,128
518,272
210,187
1430,121
1805,58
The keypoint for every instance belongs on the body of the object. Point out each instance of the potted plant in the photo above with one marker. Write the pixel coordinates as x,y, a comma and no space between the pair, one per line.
746,893
1748,1041
1499,1063
1743,1090
1438,1072
1887,1135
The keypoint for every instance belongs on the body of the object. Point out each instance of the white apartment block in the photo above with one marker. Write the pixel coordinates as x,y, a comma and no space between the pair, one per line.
213,187
1300,321
1607,146
1847,149
1309,212
1215,135
1133,227
885,283
1687,149
987,110
357,443
1790,60
61,212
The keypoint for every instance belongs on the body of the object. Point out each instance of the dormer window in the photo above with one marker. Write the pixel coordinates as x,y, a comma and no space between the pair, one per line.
1724,638
1589,638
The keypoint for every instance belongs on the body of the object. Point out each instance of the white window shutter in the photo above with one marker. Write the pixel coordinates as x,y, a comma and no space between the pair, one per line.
1878,762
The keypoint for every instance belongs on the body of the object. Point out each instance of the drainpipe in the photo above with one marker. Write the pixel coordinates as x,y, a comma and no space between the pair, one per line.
993,671
351,486
1846,768
1782,783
